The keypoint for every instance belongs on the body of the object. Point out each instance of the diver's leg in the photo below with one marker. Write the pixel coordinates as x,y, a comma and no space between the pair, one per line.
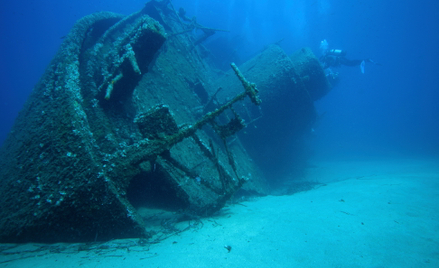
347,62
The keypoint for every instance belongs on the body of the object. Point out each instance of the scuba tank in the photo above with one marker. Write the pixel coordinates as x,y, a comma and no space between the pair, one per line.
336,52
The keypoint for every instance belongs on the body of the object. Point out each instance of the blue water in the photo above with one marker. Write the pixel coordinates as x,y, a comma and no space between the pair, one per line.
390,110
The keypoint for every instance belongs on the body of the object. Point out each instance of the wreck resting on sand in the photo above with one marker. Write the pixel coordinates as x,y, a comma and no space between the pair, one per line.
129,114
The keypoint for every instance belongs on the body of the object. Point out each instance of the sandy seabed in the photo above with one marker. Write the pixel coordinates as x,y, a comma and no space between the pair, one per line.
382,213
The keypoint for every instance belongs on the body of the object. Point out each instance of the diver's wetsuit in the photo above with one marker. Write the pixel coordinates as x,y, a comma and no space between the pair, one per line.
329,60
336,61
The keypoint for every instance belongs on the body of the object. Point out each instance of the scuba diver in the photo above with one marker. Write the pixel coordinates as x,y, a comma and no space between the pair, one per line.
337,57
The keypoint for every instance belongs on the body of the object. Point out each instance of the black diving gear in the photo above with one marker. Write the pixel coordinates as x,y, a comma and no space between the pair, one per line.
336,52
337,57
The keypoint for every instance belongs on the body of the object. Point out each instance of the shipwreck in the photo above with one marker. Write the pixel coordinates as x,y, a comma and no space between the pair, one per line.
132,113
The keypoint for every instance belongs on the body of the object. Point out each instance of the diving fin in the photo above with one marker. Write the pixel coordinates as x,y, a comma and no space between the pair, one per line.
374,62
363,63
